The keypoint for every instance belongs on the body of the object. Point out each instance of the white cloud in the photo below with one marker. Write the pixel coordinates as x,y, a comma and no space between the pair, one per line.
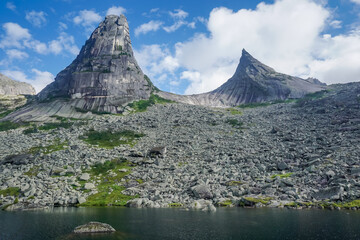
154,10
14,35
16,54
115,11
36,18
11,6
336,23
62,26
63,42
175,26
178,14
148,27
38,80
281,35
179,20
87,19
157,62
355,1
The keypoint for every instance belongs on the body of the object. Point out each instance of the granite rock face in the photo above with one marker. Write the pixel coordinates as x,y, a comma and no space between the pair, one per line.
12,87
252,82
105,74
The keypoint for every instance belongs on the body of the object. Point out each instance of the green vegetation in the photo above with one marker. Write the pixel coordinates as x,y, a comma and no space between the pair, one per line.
234,183
234,111
142,105
226,203
57,146
310,97
265,200
118,48
235,123
180,164
32,129
11,191
285,175
174,205
31,198
108,139
8,125
109,188
4,114
150,84
265,104
55,125
33,172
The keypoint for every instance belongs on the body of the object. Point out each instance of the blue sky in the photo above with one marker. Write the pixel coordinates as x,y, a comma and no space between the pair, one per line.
187,46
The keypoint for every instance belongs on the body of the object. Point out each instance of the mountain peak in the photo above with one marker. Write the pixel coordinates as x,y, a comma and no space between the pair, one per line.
105,74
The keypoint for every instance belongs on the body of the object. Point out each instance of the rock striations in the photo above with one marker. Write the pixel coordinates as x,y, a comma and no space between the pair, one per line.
105,74
12,87
252,82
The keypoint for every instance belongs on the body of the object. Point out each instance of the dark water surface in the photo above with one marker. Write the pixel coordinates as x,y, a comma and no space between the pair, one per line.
234,223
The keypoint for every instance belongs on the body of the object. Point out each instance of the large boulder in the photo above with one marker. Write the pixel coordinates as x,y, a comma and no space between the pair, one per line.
94,227
202,191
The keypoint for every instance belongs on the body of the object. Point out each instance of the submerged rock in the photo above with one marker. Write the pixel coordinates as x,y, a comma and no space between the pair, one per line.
94,227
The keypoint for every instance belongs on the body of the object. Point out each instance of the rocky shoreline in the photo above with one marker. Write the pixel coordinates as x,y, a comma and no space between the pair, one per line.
298,155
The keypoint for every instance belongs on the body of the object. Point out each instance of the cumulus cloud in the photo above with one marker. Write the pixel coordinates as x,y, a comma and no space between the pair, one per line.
11,6
116,11
156,61
14,35
87,19
20,38
355,1
64,42
38,79
148,27
16,54
178,14
285,35
37,19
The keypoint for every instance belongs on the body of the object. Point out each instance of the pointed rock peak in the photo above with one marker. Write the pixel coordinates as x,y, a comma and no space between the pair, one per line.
251,65
105,74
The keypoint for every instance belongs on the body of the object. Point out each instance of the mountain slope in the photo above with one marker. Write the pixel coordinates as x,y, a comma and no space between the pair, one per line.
253,82
12,87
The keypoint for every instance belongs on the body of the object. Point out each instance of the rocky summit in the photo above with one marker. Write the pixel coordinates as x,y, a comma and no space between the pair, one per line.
253,82
105,74
103,78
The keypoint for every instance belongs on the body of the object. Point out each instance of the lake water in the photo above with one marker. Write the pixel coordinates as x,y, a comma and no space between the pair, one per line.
226,223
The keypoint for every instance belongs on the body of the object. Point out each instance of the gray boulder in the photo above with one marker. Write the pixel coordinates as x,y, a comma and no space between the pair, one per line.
202,191
94,227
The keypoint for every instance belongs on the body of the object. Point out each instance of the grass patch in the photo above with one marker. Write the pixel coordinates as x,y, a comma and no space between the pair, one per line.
55,125
32,129
311,97
109,188
258,200
142,105
254,105
33,172
8,125
108,139
226,203
234,111
4,114
57,146
285,175
11,191
92,111
233,183
235,123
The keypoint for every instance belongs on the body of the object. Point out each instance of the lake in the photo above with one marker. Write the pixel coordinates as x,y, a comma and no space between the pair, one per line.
226,223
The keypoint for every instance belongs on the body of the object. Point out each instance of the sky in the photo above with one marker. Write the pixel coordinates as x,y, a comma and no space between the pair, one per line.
184,46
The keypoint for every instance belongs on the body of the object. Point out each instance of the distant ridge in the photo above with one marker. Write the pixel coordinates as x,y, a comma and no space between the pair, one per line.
9,86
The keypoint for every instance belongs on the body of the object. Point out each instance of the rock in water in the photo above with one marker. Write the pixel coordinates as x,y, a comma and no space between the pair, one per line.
105,73
12,87
252,82
94,227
